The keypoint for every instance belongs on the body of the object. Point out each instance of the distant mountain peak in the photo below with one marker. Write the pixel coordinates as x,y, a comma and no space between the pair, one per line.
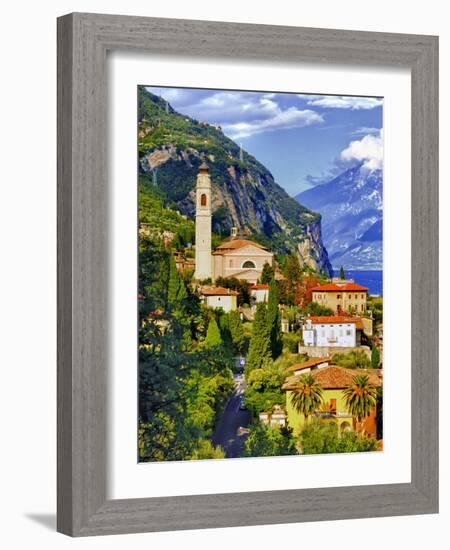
351,205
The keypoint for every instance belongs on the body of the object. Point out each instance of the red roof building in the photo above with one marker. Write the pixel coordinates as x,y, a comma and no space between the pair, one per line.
341,297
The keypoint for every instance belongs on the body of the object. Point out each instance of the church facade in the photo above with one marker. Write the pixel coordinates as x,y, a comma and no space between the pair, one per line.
236,256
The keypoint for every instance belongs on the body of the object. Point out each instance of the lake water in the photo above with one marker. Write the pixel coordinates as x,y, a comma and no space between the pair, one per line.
373,280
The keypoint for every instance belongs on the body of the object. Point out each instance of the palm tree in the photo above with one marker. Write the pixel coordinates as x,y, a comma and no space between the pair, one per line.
360,397
307,396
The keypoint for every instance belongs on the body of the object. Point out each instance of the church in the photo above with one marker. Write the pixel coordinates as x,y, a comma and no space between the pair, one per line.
236,256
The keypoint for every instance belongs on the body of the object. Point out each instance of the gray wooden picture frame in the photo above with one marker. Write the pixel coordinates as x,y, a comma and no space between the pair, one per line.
83,42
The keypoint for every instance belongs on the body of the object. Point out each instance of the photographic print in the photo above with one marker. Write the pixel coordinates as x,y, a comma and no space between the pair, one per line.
260,287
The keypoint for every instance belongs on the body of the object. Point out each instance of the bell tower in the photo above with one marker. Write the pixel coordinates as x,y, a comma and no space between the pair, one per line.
203,257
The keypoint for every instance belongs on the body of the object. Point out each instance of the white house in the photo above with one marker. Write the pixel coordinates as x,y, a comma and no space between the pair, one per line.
259,293
336,331
219,297
275,417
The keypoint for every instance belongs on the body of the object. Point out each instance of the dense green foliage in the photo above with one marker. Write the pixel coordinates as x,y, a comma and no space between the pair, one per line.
267,274
183,379
213,336
342,272
375,357
319,437
356,359
238,338
274,321
291,340
259,351
375,305
269,441
264,389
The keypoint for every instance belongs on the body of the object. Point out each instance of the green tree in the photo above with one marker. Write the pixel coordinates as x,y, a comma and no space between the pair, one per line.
206,450
307,396
320,437
237,332
274,321
360,398
213,337
259,352
315,309
356,359
375,357
342,272
292,273
267,274
266,440
264,389
174,283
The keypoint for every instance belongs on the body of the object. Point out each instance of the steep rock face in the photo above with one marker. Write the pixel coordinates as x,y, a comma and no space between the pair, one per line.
245,195
311,250
352,217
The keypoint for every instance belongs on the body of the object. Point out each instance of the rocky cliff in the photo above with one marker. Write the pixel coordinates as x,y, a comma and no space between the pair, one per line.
245,194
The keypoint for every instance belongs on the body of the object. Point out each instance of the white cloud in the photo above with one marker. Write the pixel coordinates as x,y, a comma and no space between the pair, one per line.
368,150
365,130
241,114
344,102
281,120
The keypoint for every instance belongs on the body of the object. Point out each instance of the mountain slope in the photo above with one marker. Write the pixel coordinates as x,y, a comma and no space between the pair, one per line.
351,207
245,195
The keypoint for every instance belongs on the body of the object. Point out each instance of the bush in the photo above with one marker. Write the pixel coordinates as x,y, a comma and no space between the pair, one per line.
291,342
356,359
269,441
322,437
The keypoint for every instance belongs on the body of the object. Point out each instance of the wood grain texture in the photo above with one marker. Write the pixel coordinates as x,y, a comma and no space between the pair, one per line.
83,206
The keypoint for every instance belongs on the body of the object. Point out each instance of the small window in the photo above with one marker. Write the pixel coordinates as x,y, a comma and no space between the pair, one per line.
248,265
349,296
339,296
203,200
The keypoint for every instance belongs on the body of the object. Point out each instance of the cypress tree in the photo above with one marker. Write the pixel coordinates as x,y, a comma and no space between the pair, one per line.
342,272
259,351
237,331
213,337
267,274
375,357
274,321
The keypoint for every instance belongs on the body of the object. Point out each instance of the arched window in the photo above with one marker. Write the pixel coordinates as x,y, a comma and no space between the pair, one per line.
248,264
203,200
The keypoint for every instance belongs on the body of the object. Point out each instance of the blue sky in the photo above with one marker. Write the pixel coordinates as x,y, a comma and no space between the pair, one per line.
302,139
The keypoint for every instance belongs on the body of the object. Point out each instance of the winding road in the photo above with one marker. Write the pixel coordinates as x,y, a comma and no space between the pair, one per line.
228,433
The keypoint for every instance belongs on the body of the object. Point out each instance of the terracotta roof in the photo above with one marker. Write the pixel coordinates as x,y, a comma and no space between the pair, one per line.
313,362
234,244
259,287
334,377
217,291
336,320
332,287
